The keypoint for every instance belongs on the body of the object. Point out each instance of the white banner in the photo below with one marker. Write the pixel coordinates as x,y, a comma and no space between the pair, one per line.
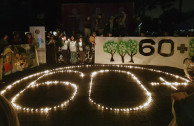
38,33
163,51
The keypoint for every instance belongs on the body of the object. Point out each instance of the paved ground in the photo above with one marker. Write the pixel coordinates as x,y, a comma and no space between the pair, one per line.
112,89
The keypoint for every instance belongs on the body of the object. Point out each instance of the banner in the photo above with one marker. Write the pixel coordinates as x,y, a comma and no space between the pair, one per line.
38,33
17,58
162,51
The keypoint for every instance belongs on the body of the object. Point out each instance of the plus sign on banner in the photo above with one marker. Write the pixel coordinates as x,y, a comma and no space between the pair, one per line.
163,51
182,48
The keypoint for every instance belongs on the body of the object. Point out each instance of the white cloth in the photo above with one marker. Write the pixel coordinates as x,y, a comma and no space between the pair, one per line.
64,45
72,46
80,46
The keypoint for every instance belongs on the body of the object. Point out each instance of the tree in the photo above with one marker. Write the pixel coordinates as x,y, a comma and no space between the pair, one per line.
191,46
122,49
110,47
132,47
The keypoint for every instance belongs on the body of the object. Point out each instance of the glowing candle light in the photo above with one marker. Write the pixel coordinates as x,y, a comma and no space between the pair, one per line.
67,69
130,74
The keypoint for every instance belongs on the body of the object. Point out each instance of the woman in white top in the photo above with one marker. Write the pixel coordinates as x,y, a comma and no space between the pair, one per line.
73,50
64,48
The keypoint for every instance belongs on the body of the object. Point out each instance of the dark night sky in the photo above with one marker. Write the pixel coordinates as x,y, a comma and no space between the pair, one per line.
19,14
188,5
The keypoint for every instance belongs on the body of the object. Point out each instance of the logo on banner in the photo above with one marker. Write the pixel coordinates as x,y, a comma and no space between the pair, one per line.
146,51
37,31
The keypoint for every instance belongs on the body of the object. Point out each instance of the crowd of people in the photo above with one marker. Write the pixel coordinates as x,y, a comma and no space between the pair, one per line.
79,47
70,49
115,25
15,39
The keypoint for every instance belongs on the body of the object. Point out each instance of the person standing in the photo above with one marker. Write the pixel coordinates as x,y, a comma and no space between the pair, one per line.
81,51
48,37
122,23
73,50
29,39
100,24
59,40
64,48
88,25
16,39
92,40
51,54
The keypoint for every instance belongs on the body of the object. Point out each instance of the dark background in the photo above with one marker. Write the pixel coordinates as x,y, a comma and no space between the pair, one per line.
18,15
74,15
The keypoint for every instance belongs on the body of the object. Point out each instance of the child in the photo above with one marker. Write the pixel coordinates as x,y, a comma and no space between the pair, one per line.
73,50
81,51
64,49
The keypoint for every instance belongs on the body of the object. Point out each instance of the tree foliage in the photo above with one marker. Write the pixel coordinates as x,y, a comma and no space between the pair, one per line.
122,49
132,47
110,47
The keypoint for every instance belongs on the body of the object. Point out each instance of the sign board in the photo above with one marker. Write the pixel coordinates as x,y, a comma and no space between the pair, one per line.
17,58
162,51
38,33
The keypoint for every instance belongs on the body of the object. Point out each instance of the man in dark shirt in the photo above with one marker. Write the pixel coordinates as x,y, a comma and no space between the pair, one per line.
88,25
100,24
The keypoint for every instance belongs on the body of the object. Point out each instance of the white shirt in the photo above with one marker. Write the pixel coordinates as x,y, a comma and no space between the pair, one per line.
65,45
72,46
80,46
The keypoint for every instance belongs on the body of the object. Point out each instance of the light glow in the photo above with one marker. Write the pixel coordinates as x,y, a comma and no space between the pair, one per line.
34,84
69,69
149,97
173,85
45,109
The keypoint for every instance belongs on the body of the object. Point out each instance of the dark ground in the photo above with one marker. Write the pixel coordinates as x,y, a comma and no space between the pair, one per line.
112,89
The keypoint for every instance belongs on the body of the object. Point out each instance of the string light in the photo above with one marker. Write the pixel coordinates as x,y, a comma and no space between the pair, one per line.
171,84
69,69
149,97
34,84
45,109
43,74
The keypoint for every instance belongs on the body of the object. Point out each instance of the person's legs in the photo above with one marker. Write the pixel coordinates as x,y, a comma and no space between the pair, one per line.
73,57
82,56
65,56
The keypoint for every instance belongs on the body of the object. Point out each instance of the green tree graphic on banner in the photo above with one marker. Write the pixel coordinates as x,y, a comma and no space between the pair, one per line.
191,46
110,47
122,49
132,47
